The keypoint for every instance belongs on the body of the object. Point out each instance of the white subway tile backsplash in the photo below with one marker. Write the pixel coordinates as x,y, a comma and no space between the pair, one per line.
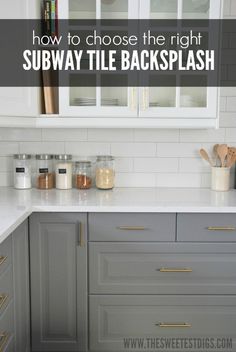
233,8
6,164
193,165
227,4
135,180
178,150
231,104
179,180
65,134
162,165
202,135
228,119
8,148
223,101
110,135
6,179
231,135
133,149
20,134
41,147
87,148
155,135
124,164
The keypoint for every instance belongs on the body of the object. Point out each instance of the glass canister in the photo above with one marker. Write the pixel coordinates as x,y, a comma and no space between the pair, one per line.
105,172
45,174
22,171
63,171
83,174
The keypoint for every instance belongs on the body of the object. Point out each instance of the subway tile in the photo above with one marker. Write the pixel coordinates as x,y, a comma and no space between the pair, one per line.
65,134
202,135
182,180
20,134
8,148
124,164
133,149
227,119
42,147
231,104
110,135
156,135
135,180
233,8
193,165
156,165
223,101
6,163
227,4
178,149
87,148
231,135
6,179
228,91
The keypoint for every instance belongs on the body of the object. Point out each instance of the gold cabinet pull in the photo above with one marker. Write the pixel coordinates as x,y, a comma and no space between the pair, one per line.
218,228
3,299
2,259
81,235
4,337
175,270
174,325
132,228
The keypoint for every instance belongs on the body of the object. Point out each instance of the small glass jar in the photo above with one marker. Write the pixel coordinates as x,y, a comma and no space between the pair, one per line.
45,174
22,171
63,171
83,174
105,172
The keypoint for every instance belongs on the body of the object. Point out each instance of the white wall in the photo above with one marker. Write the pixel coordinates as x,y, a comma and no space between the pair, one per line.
145,158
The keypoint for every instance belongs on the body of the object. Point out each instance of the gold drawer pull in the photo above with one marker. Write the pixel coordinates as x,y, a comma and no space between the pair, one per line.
3,299
81,235
2,259
4,337
132,228
174,325
228,228
175,270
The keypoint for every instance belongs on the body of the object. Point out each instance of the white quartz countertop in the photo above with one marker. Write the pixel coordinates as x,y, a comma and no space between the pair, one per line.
17,205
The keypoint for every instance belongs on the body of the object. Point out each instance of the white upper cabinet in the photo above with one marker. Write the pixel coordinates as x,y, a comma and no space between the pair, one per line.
19,101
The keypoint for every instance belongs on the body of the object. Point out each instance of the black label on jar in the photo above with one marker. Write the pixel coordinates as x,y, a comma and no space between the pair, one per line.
20,170
62,171
43,171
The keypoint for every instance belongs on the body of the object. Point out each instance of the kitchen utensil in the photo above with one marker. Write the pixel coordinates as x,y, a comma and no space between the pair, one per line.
215,154
230,162
205,156
222,151
230,156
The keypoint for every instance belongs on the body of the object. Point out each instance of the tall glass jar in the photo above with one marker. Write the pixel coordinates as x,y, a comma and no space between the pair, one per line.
63,171
22,171
45,174
105,172
83,174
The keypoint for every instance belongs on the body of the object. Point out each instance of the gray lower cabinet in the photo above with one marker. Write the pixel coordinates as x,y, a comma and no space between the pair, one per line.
58,259
116,319
14,292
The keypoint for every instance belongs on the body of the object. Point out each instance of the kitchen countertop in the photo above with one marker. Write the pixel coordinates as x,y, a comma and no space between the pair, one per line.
17,205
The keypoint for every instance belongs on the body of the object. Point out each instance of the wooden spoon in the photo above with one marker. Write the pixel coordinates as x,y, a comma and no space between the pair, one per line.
205,156
222,151
231,157
231,162
215,154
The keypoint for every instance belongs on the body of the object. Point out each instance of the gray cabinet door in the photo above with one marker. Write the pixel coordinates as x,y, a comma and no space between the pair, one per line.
58,256
162,268
20,263
115,320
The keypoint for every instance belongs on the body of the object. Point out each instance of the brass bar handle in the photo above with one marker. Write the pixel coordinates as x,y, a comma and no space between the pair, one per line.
175,270
4,337
132,228
218,228
2,259
174,325
81,235
3,299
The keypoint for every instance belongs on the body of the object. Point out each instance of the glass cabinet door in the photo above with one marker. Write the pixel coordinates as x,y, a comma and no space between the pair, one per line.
176,101
98,101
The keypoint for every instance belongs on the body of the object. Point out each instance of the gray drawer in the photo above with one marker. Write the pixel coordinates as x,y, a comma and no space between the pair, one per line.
206,227
131,227
161,268
6,288
6,329
113,318
5,254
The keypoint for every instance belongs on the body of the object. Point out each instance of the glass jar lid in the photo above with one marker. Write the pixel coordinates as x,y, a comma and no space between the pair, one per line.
105,158
64,157
22,156
83,164
44,157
